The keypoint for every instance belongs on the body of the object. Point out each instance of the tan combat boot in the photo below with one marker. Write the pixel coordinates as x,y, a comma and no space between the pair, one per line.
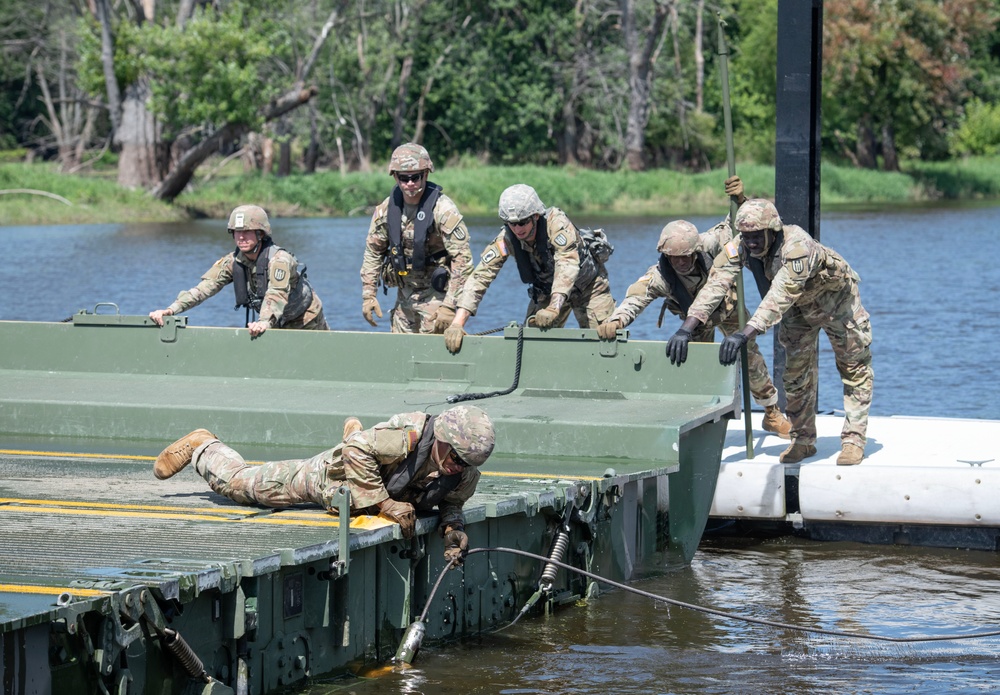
172,459
351,425
796,452
776,422
850,454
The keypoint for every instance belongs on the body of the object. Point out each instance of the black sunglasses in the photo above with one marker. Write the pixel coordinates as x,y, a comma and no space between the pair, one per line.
519,223
408,178
458,459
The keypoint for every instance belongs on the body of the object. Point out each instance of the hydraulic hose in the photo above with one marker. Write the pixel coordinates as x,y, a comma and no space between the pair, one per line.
734,616
414,634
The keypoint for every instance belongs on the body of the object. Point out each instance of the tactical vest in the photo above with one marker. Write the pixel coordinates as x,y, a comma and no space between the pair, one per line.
397,483
421,225
758,267
299,297
677,288
531,272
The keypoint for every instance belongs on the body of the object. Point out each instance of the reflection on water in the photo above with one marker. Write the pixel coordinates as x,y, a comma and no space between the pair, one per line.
624,643
935,322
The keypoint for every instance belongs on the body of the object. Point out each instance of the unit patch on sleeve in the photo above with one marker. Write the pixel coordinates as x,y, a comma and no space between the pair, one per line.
560,239
280,274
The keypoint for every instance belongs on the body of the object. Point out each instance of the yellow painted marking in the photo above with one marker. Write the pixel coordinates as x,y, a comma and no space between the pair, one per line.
69,454
85,455
555,476
302,517
246,511
51,590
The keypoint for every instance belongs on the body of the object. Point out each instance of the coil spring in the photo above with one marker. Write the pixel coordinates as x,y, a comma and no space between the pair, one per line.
189,660
558,550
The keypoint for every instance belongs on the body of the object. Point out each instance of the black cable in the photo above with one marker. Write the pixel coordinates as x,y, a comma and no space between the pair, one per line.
461,397
713,611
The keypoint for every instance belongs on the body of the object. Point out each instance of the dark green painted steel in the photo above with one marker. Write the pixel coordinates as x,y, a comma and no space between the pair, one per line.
610,429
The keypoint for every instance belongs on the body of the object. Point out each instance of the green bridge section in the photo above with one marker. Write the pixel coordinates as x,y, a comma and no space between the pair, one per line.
121,377
107,570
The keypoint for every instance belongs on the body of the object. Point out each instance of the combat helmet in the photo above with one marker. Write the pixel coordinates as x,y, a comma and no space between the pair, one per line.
519,202
678,238
249,217
756,215
759,215
468,430
410,157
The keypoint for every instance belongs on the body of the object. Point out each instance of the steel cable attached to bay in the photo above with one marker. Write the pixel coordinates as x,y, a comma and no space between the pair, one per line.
713,611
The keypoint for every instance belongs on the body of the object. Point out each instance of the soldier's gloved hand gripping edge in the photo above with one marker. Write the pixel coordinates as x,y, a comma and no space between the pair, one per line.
677,346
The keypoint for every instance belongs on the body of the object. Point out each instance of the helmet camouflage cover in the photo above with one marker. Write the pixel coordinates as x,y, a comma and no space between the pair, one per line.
410,157
757,215
678,238
249,217
519,202
468,430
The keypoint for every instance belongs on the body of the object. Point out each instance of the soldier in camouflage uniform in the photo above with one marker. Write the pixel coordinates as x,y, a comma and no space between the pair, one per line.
412,462
267,280
685,261
807,287
418,243
561,272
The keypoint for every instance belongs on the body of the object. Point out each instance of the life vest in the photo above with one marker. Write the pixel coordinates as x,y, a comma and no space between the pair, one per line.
421,225
758,267
532,271
299,297
677,288
397,483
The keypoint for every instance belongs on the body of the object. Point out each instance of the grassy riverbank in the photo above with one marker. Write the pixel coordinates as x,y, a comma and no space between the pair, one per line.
96,198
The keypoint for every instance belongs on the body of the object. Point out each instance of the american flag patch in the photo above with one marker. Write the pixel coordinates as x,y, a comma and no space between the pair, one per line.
503,248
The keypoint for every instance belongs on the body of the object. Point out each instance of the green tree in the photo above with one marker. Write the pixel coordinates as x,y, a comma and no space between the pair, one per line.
896,74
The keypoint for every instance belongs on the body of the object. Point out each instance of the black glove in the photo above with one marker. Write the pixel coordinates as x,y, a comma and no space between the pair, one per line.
730,348
677,346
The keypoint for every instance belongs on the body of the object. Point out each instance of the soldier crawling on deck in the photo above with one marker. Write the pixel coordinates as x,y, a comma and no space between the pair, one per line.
266,278
806,286
413,462
685,261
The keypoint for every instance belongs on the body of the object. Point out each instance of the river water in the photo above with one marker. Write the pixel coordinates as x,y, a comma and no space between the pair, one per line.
935,326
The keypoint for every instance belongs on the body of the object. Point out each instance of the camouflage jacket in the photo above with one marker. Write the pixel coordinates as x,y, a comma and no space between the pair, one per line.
803,273
371,455
564,245
283,278
447,234
652,285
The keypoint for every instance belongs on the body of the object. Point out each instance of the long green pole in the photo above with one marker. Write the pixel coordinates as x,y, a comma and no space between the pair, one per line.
733,205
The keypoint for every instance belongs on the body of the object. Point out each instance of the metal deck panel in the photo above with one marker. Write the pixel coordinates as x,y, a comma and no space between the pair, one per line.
72,520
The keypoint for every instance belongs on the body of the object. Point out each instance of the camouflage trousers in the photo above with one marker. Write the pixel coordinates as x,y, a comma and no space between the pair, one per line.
276,484
415,309
761,386
591,307
848,327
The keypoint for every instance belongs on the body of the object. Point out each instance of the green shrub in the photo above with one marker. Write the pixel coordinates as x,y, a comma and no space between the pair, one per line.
979,133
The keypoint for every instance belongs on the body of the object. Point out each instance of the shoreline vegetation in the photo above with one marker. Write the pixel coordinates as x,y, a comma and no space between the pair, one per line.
97,198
